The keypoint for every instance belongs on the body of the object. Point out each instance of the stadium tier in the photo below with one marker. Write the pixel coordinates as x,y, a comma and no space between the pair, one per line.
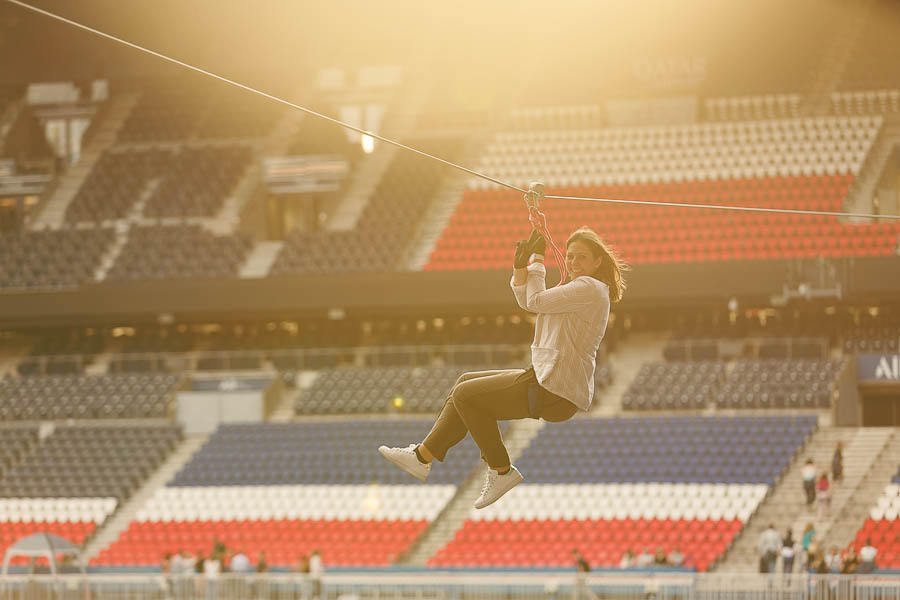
89,461
48,398
390,389
181,108
385,227
603,486
116,183
70,482
51,259
14,444
199,181
288,489
179,182
486,224
378,390
805,164
768,383
712,151
178,252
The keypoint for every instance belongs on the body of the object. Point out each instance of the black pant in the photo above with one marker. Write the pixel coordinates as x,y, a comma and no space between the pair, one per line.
479,399
810,488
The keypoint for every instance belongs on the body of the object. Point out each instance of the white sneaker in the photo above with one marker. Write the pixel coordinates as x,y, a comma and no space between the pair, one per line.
406,459
495,485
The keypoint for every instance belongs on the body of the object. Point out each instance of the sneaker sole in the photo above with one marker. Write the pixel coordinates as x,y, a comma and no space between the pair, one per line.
509,486
399,464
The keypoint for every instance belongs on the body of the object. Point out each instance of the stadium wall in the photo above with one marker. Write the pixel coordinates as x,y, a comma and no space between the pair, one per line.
385,293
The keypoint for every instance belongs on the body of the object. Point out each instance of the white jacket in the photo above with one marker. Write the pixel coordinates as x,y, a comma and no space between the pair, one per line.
571,322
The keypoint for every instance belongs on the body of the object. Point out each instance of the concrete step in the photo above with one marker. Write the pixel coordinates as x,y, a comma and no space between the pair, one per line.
229,217
848,519
625,363
260,259
443,205
786,507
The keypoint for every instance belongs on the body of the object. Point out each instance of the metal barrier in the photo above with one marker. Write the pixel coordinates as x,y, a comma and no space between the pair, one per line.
284,359
426,585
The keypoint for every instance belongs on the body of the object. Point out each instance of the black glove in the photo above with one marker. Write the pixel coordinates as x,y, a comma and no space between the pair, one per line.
523,252
536,244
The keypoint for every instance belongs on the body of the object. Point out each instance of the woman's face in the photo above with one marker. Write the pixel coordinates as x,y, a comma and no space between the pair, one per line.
580,260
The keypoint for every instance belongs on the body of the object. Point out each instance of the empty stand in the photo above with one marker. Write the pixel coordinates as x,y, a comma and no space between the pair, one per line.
741,108
751,449
86,397
199,181
866,102
766,383
179,251
169,110
606,485
805,164
181,108
71,481
292,454
669,386
115,184
73,518
293,487
374,390
51,259
90,462
777,148
15,443
779,383
487,224
397,206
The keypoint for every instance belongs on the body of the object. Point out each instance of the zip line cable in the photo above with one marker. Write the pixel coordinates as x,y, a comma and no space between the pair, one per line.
425,154
790,211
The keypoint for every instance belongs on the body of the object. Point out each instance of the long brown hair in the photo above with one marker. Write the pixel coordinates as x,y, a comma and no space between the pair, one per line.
611,268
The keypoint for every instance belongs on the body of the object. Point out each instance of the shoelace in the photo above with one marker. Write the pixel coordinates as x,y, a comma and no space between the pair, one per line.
489,481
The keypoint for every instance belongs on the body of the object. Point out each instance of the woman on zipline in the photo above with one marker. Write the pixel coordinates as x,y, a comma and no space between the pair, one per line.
571,322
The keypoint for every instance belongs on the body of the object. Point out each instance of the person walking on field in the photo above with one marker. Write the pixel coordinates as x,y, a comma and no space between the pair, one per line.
571,322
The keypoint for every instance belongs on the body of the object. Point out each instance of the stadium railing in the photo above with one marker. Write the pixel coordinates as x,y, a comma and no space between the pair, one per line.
282,359
450,585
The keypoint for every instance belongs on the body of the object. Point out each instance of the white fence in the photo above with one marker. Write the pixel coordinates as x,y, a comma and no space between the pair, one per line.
452,586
